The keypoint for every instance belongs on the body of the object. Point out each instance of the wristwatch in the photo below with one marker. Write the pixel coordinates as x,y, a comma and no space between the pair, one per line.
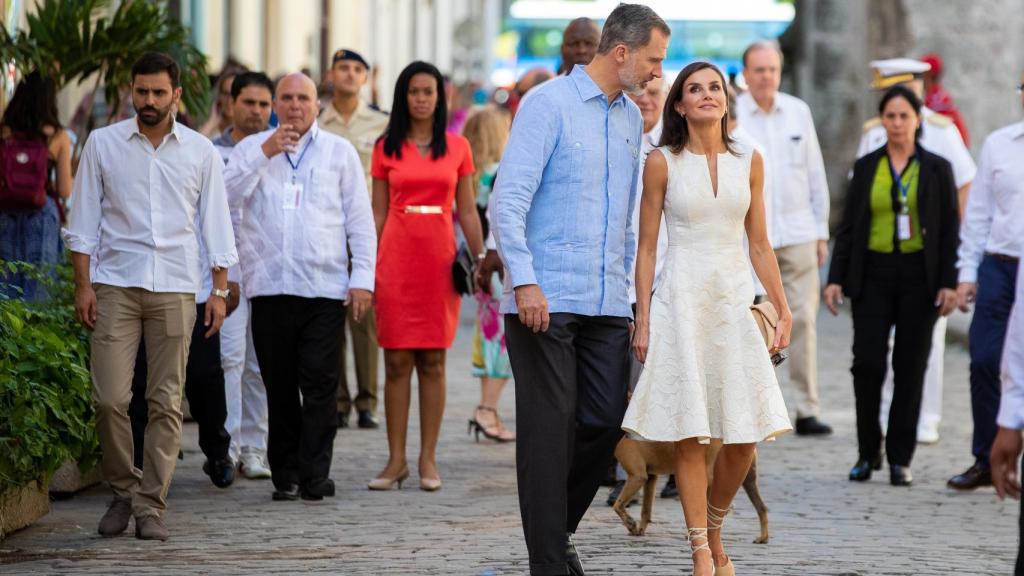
223,293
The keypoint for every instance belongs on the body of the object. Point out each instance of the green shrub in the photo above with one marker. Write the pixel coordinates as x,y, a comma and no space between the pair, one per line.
46,414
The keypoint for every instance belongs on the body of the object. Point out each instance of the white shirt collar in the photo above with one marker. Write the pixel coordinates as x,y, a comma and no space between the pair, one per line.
776,105
175,130
1019,132
654,135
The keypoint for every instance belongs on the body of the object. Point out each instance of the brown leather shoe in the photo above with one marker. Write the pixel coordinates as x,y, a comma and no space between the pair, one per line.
150,527
115,521
974,477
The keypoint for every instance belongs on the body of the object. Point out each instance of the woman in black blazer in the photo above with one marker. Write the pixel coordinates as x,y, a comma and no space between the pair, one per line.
895,258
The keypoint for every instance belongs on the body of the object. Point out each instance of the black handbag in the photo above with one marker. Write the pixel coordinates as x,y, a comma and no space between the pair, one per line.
462,271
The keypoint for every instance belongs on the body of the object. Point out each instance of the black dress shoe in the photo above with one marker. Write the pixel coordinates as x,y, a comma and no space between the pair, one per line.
614,493
367,421
861,471
811,426
317,489
342,419
572,558
221,472
286,494
900,475
974,477
670,490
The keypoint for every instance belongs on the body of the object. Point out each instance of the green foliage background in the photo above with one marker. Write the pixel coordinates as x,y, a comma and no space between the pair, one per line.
70,40
46,414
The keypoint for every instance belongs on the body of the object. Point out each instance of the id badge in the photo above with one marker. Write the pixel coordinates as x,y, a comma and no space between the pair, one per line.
903,228
291,196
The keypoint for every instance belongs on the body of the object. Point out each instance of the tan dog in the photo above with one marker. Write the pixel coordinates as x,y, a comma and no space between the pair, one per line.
644,461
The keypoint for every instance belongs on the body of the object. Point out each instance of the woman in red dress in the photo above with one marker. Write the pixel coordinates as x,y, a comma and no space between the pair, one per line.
418,172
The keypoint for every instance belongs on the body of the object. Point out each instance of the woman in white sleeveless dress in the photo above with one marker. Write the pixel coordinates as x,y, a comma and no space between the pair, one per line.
707,373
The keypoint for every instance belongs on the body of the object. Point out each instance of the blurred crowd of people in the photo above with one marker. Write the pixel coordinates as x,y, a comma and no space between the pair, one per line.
228,261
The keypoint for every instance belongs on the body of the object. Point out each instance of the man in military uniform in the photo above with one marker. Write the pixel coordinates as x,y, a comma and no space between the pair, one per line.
939,136
938,98
351,118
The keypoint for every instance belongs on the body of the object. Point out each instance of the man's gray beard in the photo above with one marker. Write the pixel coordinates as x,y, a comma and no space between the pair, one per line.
635,90
631,83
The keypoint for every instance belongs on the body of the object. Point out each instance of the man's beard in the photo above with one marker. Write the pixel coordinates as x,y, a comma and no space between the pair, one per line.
153,116
630,79
253,126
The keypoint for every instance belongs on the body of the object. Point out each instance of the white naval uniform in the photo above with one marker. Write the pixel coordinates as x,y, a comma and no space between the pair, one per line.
939,136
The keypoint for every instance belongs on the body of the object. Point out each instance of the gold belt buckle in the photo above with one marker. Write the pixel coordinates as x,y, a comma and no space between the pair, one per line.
423,210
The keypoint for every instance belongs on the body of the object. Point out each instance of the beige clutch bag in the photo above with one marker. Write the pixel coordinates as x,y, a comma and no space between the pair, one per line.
766,319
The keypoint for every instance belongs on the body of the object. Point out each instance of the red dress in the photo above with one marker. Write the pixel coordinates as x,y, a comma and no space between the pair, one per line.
416,303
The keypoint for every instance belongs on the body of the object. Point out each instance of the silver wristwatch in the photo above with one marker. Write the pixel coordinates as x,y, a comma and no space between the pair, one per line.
221,293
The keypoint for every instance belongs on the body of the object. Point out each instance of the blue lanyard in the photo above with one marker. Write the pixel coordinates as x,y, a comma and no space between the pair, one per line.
295,165
904,188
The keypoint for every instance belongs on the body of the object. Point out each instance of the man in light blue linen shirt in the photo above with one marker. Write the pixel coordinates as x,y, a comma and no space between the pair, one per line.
561,215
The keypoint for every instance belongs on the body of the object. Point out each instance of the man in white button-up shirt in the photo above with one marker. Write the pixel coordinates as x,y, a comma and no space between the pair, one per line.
146,189
990,251
252,94
1006,449
302,196
797,211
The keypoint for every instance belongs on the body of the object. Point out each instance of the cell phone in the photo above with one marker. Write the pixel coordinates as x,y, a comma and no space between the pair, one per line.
779,357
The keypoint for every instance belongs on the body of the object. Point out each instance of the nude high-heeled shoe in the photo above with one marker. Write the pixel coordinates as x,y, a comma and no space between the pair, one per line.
716,517
385,483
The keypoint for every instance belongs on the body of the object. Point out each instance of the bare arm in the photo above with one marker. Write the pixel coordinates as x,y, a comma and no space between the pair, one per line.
381,198
762,257
651,205
62,155
469,218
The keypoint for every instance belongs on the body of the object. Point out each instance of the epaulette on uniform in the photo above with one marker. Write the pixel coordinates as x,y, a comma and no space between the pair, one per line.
940,120
876,121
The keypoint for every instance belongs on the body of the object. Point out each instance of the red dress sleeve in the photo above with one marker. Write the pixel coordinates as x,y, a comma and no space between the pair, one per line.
379,167
466,167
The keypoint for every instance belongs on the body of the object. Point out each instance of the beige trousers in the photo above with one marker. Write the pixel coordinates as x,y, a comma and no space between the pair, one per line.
166,319
799,267
366,352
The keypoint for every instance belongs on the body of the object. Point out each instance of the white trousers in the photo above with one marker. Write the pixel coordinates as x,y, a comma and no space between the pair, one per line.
243,386
931,399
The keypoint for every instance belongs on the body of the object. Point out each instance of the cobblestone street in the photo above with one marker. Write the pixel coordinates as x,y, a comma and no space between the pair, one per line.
821,524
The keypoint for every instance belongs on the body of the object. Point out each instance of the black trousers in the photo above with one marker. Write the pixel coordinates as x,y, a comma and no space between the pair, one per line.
570,399
895,293
1019,570
204,388
297,344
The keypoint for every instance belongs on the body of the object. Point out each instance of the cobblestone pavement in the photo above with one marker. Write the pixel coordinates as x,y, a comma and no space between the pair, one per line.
821,524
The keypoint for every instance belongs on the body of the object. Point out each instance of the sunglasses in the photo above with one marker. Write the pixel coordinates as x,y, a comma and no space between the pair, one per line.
779,357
